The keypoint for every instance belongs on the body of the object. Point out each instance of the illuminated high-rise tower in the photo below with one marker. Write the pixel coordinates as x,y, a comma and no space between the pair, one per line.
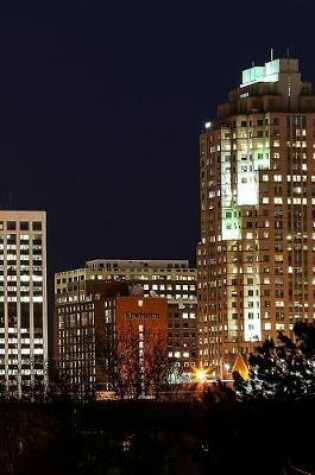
256,258
23,304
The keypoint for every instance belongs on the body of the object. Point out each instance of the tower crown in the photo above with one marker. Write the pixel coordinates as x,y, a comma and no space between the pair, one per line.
270,72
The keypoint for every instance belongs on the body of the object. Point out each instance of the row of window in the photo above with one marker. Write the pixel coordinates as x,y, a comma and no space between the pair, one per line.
20,225
291,120
65,280
22,299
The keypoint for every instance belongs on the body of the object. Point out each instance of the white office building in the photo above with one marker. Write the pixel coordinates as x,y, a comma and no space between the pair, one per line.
23,304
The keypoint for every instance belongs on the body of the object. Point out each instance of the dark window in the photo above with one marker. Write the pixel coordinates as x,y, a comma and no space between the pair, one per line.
37,226
25,315
11,225
38,315
2,315
12,313
24,225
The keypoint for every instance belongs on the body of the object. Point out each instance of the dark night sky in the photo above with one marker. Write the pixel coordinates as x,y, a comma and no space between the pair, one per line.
101,104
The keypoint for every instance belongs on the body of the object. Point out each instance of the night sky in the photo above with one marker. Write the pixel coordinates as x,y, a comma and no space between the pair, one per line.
101,105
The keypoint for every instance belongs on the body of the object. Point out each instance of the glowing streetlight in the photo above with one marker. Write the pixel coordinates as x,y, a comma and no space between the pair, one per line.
201,376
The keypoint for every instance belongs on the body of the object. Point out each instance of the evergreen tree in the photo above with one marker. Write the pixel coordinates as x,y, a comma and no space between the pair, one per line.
285,370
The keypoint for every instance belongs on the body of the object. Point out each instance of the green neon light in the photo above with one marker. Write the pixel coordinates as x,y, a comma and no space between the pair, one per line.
268,73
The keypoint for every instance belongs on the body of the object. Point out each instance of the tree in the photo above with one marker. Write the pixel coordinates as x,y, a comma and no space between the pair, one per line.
135,367
158,365
285,370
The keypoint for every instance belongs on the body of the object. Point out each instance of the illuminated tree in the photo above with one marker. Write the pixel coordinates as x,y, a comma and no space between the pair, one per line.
158,366
136,366
282,371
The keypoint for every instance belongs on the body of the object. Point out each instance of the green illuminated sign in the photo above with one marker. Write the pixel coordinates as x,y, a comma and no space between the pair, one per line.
267,73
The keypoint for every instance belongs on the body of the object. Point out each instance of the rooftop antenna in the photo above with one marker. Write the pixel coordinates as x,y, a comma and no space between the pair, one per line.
288,52
271,54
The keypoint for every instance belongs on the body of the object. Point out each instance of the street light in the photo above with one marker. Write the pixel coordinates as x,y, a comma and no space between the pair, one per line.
227,367
201,376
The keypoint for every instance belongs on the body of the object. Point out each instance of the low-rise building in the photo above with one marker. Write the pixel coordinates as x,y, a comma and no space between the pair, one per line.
110,339
172,280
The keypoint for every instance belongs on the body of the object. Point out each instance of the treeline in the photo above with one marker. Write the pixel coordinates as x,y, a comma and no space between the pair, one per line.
125,438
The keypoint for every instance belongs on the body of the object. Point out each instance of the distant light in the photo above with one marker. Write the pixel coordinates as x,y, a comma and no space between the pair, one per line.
140,303
208,125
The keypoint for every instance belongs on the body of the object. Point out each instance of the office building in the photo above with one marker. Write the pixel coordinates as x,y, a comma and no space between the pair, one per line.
256,257
23,304
111,339
173,280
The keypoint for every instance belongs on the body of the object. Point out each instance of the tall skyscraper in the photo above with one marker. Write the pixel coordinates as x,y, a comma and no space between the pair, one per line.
256,258
23,303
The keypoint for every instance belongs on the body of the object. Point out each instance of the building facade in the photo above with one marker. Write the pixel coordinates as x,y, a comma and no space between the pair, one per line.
78,338
136,335
23,304
256,257
173,280
109,339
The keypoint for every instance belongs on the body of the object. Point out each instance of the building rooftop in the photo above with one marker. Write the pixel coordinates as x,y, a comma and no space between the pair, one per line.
138,263
270,72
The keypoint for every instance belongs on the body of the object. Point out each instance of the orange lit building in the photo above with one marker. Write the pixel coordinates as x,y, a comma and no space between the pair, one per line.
108,338
137,340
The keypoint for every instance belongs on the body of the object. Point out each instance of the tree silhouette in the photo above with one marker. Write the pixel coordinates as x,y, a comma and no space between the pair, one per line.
135,369
285,370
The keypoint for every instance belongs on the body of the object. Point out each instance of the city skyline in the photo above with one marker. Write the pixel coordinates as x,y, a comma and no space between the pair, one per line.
102,108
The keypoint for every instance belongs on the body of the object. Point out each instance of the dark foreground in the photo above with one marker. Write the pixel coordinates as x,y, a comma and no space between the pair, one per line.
157,438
